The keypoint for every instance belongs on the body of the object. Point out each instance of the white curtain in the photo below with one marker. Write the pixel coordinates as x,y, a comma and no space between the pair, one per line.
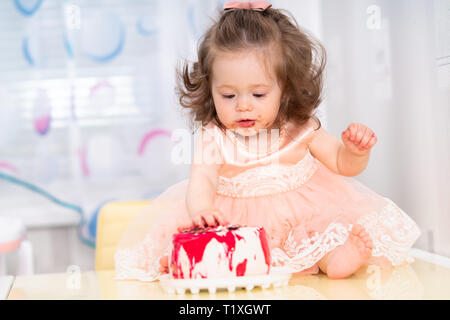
87,102
388,68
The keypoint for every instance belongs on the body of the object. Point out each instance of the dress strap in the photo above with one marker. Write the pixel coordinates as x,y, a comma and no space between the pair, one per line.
306,132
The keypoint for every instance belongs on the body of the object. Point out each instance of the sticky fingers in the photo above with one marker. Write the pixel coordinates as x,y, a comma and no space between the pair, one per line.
204,219
366,138
360,136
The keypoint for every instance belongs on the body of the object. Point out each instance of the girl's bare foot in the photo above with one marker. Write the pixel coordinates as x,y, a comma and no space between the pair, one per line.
164,264
348,258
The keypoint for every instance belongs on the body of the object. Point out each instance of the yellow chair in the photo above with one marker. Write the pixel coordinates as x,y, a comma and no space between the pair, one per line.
113,220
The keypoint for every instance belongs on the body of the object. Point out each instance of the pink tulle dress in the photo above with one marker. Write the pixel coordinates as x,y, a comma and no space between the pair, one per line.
306,209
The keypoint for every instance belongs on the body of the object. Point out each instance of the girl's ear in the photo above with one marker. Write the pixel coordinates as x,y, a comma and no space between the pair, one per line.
318,123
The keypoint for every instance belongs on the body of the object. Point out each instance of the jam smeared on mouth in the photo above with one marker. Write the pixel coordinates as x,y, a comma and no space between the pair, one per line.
247,123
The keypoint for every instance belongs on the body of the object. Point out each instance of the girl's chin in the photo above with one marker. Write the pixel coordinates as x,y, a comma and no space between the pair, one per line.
246,132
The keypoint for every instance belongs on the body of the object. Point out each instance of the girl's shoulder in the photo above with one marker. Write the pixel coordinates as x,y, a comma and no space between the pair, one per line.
212,129
211,125
304,132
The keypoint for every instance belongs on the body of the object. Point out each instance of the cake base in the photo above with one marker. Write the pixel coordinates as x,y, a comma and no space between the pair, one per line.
276,278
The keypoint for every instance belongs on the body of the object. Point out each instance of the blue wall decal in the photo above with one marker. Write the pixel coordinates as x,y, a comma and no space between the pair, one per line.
28,7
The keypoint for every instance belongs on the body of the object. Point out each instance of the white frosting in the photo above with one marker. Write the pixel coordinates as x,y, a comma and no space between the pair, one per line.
214,262
249,247
183,261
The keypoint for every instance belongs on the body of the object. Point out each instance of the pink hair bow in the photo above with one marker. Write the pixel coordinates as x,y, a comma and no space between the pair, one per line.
247,5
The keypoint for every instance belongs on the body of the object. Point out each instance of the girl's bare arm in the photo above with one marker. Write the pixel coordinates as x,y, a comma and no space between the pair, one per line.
202,186
348,157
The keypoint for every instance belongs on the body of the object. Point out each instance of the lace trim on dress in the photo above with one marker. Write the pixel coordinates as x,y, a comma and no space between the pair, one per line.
392,232
268,180
298,257
128,267
139,262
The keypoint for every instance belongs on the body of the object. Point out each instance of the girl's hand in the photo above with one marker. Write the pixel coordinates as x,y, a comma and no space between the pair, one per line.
203,219
359,139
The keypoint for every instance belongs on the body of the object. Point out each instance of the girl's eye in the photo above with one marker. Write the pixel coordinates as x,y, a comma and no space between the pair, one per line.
231,96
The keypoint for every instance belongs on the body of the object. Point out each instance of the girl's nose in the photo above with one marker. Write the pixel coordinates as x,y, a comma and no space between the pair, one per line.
244,105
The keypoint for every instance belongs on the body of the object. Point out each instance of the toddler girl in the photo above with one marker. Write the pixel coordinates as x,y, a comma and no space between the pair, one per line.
263,159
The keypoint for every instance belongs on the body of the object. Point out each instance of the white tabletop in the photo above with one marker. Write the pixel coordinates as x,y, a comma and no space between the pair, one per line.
418,280
5,286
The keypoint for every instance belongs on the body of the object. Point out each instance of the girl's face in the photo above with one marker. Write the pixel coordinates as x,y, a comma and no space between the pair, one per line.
243,89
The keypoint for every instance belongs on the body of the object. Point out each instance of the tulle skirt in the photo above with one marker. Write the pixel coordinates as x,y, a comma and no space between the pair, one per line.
303,225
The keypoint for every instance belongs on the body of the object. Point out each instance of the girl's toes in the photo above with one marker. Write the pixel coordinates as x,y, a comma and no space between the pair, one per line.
365,238
364,249
368,252
368,245
357,229
367,241
363,233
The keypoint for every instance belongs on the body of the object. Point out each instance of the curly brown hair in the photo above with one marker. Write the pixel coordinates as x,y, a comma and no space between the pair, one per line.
299,71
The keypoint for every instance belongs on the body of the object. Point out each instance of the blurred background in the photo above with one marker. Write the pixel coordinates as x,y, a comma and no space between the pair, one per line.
87,107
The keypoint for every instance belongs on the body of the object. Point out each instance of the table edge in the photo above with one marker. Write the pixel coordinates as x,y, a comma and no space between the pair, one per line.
6,283
430,257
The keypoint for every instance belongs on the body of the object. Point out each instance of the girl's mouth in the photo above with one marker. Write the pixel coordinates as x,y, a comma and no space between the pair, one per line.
246,123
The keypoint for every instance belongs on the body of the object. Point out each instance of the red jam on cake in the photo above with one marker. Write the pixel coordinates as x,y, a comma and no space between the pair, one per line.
220,252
